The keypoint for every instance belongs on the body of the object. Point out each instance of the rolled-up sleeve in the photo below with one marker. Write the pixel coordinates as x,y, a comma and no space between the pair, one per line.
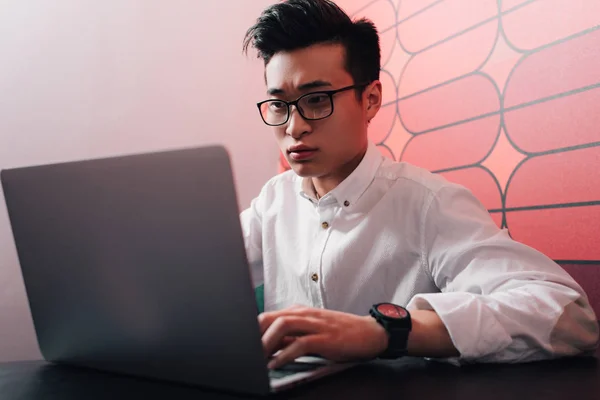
501,301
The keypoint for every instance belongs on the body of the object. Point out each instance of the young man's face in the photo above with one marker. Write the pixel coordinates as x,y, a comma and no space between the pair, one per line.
325,147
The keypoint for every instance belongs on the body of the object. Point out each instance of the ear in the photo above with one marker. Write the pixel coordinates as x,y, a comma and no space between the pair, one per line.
372,97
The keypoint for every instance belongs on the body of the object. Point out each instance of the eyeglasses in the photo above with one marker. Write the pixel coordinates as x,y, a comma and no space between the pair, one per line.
311,106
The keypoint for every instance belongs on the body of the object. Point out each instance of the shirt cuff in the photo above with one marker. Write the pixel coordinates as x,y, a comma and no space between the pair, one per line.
473,328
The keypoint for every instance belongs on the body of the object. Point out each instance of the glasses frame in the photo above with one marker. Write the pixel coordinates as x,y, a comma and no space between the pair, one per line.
329,93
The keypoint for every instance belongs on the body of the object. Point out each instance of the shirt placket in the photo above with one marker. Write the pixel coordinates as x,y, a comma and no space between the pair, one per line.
326,213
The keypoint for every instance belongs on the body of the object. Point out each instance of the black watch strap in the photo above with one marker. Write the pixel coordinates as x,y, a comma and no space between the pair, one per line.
397,343
397,331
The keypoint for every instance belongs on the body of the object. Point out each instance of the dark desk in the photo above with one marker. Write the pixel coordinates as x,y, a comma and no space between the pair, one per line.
403,379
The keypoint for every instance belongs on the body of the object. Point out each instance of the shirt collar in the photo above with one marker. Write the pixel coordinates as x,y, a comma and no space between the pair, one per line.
352,188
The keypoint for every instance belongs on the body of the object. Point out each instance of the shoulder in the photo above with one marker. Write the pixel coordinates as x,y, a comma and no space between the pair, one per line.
272,193
283,181
279,187
403,175
426,190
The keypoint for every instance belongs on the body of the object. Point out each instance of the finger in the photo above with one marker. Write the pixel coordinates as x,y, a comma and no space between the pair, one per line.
288,326
265,319
300,347
285,342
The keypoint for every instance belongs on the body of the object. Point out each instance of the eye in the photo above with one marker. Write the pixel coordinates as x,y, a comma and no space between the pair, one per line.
317,99
277,106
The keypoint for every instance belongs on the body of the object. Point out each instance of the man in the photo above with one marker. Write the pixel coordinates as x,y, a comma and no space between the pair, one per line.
346,229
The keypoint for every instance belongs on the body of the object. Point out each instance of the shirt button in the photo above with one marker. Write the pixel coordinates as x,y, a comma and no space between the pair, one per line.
314,277
325,225
346,203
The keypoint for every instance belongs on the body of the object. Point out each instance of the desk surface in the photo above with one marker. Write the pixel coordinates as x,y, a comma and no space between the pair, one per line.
405,379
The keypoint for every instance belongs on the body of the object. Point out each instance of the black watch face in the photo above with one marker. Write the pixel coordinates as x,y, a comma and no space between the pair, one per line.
392,311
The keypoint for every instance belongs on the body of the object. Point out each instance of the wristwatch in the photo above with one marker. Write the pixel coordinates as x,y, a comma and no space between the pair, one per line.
397,323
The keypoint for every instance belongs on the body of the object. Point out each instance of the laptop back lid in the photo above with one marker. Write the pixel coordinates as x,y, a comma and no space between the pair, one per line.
136,264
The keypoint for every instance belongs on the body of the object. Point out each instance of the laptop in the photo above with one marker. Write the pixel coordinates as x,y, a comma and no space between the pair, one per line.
136,265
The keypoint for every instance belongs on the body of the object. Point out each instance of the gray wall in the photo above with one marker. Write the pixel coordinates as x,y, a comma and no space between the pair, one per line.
88,78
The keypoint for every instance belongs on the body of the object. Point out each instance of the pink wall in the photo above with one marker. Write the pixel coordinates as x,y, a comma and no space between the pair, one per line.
503,97
85,79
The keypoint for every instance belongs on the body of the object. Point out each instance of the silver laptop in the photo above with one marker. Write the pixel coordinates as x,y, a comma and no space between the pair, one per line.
136,265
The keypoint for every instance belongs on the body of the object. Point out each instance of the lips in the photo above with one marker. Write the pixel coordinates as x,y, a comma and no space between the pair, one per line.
301,152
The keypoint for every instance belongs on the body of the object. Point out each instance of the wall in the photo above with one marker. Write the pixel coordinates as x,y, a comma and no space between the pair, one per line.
503,97
83,79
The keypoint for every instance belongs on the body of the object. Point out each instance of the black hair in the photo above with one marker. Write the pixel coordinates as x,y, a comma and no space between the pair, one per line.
297,24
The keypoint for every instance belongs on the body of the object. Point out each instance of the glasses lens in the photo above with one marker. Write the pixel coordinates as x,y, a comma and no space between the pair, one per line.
274,112
316,106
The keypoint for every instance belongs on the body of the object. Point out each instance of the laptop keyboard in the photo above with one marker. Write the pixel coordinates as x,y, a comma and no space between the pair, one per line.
292,368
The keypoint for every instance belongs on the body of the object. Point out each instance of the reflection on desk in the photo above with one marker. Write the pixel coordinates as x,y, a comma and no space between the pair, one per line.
407,378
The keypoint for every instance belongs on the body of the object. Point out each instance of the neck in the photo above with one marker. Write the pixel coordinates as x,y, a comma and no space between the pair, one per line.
325,184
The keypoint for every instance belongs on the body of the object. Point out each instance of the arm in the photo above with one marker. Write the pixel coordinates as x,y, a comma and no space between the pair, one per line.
251,221
500,300
429,336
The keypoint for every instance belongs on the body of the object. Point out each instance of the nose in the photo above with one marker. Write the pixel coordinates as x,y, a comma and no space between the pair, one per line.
297,126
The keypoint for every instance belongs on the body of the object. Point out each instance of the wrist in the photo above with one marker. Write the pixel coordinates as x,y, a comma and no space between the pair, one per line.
429,336
396,322
379,336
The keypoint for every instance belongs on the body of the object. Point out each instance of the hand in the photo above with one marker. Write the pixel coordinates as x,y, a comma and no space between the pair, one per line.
336,336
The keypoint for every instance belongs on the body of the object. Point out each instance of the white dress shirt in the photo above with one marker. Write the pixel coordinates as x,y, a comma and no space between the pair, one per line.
392,232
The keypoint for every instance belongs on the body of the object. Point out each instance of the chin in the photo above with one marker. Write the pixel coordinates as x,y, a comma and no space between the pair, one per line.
306,170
